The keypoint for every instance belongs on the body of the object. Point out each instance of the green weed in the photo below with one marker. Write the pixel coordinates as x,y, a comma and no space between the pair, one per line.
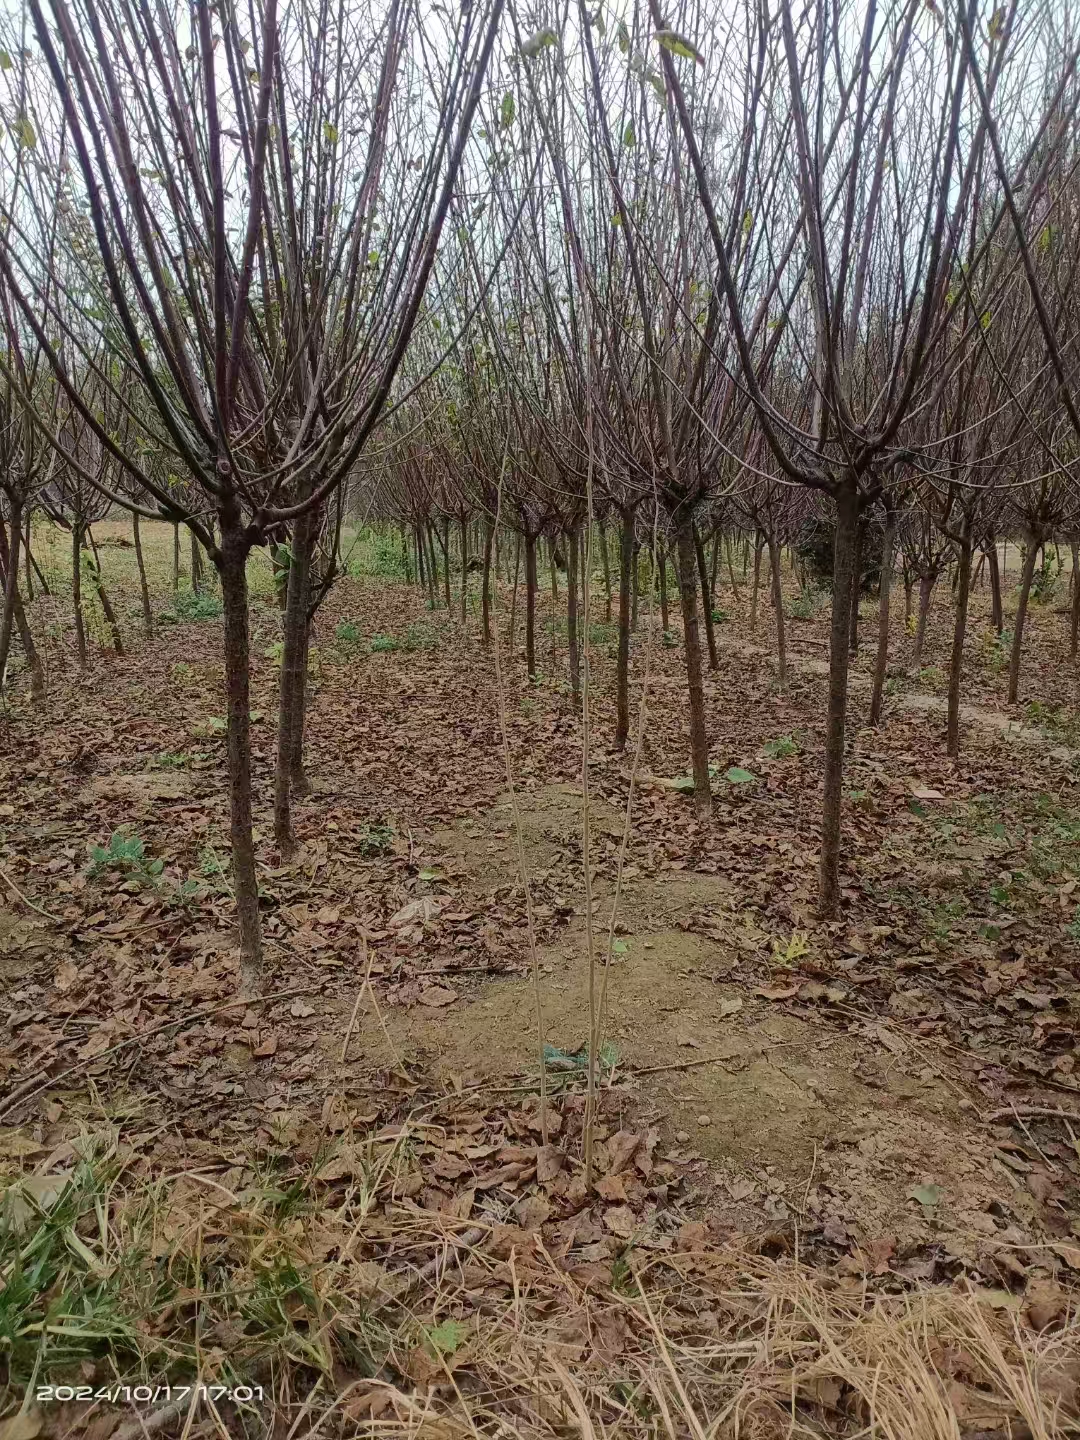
125,852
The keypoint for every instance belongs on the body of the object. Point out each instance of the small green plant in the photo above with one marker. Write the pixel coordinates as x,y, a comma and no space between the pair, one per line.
125,852
182,673
382,644
347,632
781,748
274,652
167,760
806,604
785,956
670,640
528,708
719,615
210,866
193,605
1044,583
375,840
933,677
603,632
1073,927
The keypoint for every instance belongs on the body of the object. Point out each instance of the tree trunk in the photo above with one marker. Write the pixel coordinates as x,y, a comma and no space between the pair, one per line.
176,556
554,606
731,572
572,610
714,562
663,587
405,554
29,563
514,596
421,573
1074,609
778,607
963,592
444,541
291,684
635,566
144,588
856,588
881,664
622,677
11,585
757,583
232,567
106,604
76,590
464,571
1026,577
485,595
607,574
926,589
706,603
432,568
847,521
196,563
688,587
530,604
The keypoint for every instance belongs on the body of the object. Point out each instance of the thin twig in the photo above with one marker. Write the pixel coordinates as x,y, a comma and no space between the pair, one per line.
29,903
1033,1112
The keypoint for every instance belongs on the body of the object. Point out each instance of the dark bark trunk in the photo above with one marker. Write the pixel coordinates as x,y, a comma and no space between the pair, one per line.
997,612
76,590
28,564
11,585
464,571
444,541
144,588
757,584
663,587
963,592
847,521
881,664
554,606
514,596
688,588
778,607
635,566
405,555
1026,577
926,590
291,683
485,597
731,572
607,574
714,562
232,567
103,598
196,563
706,600
421,576
1074,608
176,557
856,589
572,611
530,604
622,677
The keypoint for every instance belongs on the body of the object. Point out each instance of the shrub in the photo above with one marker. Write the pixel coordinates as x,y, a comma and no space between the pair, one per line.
347,632
125,851
382,643
193,605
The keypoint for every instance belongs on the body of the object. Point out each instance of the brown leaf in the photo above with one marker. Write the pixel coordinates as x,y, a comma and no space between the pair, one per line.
776,992
532,1211
611,1187
437,996
549,1161
621,1149
268,1047
621,1221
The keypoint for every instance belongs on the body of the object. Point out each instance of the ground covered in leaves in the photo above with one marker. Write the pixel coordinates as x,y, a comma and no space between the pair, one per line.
344,1193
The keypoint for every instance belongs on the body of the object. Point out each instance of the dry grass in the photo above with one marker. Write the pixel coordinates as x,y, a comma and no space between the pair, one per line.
361,1313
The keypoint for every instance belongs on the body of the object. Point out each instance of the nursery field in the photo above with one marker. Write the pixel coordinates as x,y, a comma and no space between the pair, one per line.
835,1166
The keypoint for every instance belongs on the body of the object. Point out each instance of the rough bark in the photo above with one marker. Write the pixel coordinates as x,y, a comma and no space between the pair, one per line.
706,599
76,590
1074,608
464,570
778,607
847,520
602,535
485,595
444,541
572,610
291,683
232,567
757,584
622,677
196,563
856,590
963,592
11,585
663,588
881,663
144,588
688,587
1027,575
731,572
103,598
530,604
176,557
926,590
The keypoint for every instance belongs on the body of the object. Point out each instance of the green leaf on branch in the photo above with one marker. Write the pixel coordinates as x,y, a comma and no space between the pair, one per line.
624,38
508,110
5,60
629,139
331,132
24,132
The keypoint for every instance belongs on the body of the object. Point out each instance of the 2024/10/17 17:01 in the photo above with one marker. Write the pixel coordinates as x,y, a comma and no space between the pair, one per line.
148,1394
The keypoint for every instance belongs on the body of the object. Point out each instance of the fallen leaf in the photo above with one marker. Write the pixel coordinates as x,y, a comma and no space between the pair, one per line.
619,1219
437,996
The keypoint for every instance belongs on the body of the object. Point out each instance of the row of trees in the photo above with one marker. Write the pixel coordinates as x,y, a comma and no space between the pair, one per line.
682,272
